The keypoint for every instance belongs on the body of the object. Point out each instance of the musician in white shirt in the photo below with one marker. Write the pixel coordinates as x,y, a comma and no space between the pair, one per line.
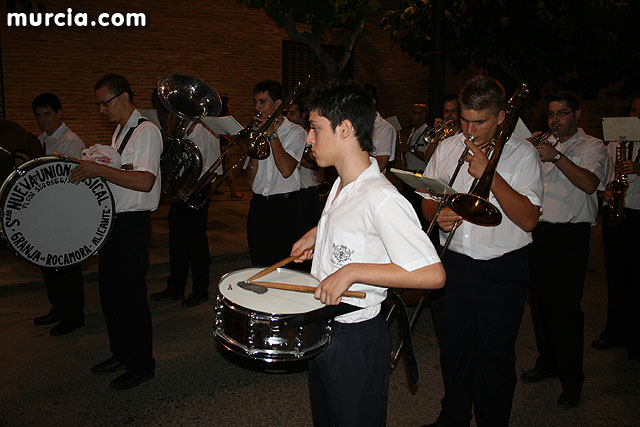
573,169
480,309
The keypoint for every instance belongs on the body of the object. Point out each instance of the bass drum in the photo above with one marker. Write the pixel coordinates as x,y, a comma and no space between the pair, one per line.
248,324
51,221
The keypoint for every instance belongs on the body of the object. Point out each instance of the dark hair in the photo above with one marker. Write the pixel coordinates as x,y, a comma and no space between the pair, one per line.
46,100
630,103
452,97
272,87
345,100
567,97
372,91
301,103
482,93
116,84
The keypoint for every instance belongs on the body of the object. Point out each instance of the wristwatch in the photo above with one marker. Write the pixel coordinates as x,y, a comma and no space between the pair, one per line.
272,136
556,157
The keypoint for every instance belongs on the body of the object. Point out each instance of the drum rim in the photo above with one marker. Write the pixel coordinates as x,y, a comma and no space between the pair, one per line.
19,171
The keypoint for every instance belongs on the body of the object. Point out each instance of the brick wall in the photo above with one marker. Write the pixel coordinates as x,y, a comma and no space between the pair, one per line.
228,46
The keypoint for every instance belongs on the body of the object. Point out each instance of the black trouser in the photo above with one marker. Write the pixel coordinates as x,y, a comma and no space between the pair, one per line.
349,380
65,291
273,226
477,317
188,246
310,208
123,290
623,286
559,256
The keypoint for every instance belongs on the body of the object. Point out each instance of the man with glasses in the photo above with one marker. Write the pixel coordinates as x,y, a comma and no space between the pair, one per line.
573,168
122,260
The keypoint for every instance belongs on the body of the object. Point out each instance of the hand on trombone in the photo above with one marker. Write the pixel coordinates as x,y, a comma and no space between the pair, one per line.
447,218
477,158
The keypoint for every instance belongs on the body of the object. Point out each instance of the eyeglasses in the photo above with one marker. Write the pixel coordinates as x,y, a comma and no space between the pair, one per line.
560,114
105,103
417,112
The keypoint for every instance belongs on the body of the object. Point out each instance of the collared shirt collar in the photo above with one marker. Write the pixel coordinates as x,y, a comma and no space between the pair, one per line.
58,132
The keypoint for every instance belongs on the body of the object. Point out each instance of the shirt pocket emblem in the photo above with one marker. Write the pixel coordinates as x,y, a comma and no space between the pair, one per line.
341,254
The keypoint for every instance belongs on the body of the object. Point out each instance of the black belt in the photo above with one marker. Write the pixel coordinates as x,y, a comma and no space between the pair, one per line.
309,189
290,195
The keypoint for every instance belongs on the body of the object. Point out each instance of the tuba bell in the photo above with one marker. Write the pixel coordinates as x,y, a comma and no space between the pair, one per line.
187,100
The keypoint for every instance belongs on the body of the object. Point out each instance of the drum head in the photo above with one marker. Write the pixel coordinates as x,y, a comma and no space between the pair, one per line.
274,301
51,221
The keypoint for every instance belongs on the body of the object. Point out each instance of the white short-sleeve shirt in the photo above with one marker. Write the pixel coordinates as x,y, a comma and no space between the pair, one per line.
384,138
269,180
519,166
64,141
369,222
209,146
563,201
142,152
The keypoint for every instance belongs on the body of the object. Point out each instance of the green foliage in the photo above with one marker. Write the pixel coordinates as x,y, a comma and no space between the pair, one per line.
578,43
322,15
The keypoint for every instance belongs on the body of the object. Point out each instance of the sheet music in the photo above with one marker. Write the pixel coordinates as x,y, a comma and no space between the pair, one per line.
615,127
521,130
226,125
395,123
419,182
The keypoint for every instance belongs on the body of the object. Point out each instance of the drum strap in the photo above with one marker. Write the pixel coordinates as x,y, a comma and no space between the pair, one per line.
127,137
324,313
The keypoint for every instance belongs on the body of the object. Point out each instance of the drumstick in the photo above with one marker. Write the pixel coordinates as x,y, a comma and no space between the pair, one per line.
273,267
302,288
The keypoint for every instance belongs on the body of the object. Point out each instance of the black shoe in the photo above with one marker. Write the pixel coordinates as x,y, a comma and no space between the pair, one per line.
193,300
605,344
64,328
47,319
166,294
569,397
633,354
534,375
108,366
130,380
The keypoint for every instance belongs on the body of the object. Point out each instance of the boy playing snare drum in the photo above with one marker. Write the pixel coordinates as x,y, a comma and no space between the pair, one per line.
368,238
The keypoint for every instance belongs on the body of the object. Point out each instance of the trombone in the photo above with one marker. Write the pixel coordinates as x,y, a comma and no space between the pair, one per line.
474,206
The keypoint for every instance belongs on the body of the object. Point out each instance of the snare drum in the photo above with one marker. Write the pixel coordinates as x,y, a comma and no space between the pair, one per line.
50,221
248,323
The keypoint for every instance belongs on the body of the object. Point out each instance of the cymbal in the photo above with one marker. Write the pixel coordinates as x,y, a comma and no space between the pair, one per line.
14,137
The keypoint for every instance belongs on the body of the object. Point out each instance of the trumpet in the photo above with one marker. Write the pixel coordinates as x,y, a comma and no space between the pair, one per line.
254,144
537,140
435,135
